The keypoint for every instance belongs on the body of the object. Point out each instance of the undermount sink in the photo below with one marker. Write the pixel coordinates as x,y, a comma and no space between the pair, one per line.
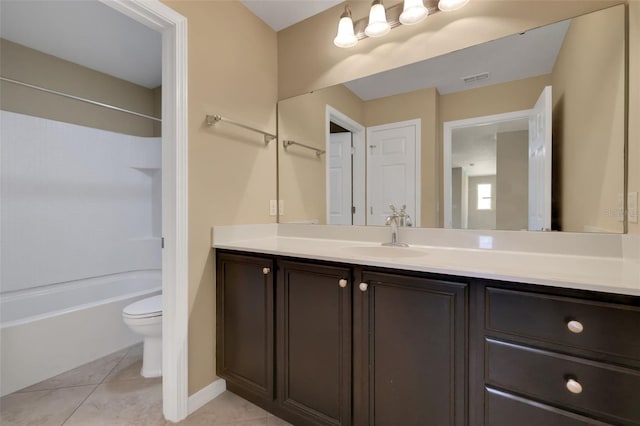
385,251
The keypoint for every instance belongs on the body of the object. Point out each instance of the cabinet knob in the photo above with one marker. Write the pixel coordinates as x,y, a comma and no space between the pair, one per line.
342,283
266,271
575,327
573,386
363,286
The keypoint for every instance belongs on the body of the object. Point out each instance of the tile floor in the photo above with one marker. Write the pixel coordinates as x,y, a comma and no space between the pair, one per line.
111,392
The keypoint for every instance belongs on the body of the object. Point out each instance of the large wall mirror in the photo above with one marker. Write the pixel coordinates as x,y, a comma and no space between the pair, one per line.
521,133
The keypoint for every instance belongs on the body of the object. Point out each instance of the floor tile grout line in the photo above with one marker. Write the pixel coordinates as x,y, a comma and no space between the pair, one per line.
79,385
53,389
96,386
79,405
117,364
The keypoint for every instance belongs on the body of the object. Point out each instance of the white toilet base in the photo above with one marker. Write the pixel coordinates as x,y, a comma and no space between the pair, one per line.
152,357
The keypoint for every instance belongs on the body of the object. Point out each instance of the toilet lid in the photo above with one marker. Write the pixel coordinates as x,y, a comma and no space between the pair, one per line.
149,307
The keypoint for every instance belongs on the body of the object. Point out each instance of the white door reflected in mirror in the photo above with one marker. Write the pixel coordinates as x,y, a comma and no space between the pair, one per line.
393,170
339,164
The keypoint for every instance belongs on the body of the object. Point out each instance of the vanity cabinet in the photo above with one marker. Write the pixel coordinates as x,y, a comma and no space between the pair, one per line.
558,359
352,346
322,343
314,342
410,342
245,324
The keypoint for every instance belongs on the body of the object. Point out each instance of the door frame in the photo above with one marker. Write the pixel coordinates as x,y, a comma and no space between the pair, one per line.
359,166
175,279
417,124
447,131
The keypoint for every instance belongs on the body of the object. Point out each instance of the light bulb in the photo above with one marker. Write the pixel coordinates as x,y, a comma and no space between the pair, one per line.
449,5
413,12
346,36
378,25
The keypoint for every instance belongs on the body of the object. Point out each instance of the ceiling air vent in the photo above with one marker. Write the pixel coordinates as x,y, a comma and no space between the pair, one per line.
476,77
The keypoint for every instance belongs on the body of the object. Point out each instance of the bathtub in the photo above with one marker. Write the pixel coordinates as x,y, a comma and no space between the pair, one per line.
52,329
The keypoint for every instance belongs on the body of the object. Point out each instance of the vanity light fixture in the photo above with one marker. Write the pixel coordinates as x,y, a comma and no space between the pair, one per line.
381,20
413,12
450,5
378,25
346,37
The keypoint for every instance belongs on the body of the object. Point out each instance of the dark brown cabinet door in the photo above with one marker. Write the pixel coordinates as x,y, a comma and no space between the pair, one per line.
410,350
314,342
245,324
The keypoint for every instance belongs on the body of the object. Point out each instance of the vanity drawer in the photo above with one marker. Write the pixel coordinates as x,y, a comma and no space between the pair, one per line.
578,323
590,387
504,409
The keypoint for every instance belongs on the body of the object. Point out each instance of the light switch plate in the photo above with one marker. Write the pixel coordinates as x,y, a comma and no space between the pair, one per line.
273,207
281,207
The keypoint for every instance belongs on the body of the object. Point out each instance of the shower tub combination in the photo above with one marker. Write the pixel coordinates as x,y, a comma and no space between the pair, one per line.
52,329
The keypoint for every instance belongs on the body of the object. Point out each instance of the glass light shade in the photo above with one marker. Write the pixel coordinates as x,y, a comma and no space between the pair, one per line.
413,12
378,25
345,37
449,5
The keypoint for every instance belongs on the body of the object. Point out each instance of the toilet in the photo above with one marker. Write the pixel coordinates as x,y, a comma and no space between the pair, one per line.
144,317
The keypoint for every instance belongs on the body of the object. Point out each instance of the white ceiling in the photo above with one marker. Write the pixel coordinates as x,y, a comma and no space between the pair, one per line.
87,33
280,14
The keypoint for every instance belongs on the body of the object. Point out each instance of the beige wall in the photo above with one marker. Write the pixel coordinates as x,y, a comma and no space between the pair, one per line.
31,66
422,104
634,103
308,60
232,174
577,146
302,174
512,180
459,182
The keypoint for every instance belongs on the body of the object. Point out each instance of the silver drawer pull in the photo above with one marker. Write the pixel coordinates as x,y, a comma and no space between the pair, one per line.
342,283
266,271
363,286
573,386
575,327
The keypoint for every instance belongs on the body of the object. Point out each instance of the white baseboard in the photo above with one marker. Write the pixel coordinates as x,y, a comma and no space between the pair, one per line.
206,394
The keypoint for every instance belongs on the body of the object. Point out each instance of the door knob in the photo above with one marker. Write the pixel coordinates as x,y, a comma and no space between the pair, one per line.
266,271
342,283
363,286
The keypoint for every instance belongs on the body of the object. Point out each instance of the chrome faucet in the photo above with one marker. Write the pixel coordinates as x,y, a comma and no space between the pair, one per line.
394,220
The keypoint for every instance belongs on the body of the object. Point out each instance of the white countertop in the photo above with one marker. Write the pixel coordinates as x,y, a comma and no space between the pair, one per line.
614,272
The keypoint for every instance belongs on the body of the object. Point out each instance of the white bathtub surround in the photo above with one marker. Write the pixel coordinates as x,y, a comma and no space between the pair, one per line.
599,262
77,202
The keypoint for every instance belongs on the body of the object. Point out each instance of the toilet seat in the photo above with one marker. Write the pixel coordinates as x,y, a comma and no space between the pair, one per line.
145,308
